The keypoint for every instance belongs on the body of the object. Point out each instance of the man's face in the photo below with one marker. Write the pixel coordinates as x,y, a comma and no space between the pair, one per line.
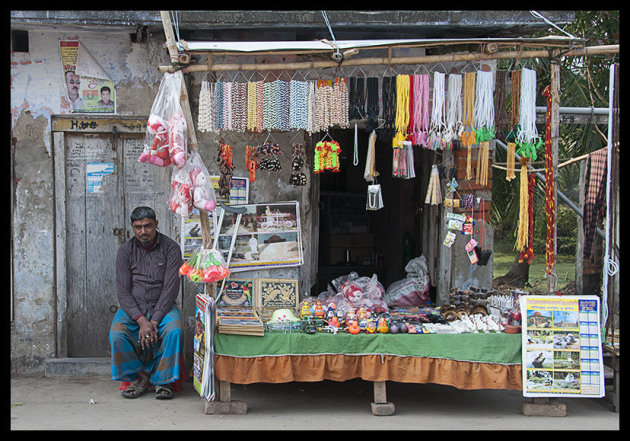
105,96
145,230
73,81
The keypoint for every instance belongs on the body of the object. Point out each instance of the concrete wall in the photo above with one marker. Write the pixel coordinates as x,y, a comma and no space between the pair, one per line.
37,92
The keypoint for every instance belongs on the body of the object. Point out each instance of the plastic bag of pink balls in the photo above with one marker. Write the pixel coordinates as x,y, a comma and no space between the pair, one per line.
357,292
166,140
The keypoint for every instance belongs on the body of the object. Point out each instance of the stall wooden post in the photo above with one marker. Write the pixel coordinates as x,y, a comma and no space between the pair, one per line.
380,406
552,278
224,405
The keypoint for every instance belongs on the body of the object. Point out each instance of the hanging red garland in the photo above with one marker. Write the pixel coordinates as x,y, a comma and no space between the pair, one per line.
549,188
527,253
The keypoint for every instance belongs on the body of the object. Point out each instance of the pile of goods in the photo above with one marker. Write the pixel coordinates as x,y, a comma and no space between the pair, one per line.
357,305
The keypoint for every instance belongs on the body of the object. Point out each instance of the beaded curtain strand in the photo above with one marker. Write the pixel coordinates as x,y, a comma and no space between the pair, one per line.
550,204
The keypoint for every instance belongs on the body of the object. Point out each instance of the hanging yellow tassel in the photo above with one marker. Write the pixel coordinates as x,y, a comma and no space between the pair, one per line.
523,219
483,155
434,195
511,170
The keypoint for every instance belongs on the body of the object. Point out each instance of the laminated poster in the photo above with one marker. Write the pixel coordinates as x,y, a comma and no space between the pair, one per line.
562,348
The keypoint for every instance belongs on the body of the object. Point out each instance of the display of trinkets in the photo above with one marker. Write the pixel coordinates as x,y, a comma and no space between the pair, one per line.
269,156
298,178
465,302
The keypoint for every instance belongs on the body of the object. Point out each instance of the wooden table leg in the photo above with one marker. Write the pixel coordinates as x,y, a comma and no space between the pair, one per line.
380,406
225,405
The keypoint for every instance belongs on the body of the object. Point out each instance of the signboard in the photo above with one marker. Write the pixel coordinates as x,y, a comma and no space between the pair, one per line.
562,349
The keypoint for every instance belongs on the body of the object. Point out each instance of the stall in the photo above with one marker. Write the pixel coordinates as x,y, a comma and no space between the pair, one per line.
261,330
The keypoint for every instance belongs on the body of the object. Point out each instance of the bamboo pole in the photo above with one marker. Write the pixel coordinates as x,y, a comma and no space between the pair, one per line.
426,59
552,278
185,103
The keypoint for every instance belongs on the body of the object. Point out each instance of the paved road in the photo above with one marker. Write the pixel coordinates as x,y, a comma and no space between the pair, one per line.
94,403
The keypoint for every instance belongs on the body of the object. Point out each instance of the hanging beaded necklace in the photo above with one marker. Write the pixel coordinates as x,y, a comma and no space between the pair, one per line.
298,104
251,106
269,105
219,105
282,107
311,125
356,98
239,107
227,106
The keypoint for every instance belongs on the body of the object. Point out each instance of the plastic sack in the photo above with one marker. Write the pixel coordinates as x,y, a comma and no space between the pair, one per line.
205,266
167,132
412,290
180,201
202,192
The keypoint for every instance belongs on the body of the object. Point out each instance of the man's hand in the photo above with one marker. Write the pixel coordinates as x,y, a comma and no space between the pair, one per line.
147,334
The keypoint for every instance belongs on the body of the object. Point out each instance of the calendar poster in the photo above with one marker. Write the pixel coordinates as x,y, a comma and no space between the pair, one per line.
562,349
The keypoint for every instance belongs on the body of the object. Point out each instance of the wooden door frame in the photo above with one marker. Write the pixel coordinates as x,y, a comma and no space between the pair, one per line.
76,124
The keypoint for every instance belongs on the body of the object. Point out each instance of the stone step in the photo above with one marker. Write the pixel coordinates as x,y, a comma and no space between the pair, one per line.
78,367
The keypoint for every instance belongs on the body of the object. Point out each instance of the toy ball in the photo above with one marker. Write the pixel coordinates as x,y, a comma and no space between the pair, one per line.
403,328
394,328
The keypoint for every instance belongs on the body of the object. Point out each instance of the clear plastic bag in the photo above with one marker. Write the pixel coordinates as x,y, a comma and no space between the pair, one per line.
166,140
205,266
180,201
203,196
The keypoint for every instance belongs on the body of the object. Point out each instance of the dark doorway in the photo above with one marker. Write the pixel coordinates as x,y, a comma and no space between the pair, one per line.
352,238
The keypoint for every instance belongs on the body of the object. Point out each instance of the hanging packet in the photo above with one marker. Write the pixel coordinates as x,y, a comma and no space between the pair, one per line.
166,137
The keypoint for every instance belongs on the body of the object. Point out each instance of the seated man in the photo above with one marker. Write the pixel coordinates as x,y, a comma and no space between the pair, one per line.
146,335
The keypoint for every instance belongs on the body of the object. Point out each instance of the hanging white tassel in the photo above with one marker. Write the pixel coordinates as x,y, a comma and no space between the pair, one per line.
527,132
437,112
453,107
484,100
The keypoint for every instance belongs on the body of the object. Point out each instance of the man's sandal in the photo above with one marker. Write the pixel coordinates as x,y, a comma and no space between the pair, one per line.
134,391
163,392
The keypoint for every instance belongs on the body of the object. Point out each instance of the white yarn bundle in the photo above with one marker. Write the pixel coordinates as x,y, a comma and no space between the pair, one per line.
484,100
527,132
453,107
437,111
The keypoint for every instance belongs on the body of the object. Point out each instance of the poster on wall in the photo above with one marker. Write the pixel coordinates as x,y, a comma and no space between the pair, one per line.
87,86
562,353
268,236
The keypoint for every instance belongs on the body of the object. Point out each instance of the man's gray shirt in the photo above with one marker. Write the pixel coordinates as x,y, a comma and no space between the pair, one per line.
148,280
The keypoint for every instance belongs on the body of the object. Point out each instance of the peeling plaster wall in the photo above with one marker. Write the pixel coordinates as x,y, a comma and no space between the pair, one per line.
37,92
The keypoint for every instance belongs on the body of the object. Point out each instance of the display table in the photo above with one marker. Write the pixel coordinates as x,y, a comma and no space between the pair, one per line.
464,361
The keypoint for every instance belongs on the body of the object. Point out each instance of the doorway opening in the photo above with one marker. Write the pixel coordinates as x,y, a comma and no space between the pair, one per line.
368,242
